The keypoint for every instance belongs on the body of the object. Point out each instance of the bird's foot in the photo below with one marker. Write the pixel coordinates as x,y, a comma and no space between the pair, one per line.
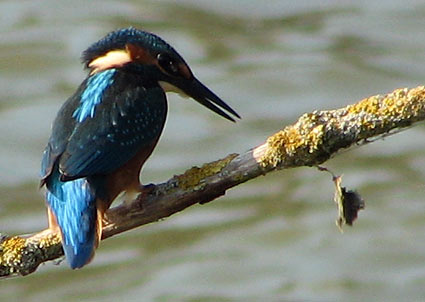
145,190
105,219
139,194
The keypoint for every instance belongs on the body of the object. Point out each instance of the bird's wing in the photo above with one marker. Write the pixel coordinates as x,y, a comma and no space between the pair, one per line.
122,123
62,129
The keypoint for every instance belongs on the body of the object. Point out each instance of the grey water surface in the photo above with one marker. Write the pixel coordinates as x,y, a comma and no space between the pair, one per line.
274,238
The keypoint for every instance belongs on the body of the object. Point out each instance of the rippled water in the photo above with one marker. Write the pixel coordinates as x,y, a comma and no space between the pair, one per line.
274,238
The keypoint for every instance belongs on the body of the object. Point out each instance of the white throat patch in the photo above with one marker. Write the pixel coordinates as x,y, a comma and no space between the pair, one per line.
167,87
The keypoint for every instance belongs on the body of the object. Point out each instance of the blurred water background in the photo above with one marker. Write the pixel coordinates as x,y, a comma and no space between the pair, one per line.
274,238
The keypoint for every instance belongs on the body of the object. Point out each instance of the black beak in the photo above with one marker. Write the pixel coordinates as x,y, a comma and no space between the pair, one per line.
200,93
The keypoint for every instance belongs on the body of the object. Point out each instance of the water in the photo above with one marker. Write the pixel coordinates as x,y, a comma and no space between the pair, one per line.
274,238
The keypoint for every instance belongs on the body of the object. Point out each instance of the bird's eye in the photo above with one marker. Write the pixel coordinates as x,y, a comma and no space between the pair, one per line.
168,64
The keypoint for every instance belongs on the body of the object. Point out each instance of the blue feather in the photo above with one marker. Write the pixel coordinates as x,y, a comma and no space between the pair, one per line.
92,95
74,205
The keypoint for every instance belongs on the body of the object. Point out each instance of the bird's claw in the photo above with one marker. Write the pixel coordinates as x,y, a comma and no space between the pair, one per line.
105,219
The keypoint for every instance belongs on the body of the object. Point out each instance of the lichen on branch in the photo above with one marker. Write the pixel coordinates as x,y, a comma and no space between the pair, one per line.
318,135
312,140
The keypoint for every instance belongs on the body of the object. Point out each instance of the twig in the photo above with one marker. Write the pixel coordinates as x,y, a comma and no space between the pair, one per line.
312,140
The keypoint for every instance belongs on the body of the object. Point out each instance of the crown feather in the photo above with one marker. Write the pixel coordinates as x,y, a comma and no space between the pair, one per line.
119,39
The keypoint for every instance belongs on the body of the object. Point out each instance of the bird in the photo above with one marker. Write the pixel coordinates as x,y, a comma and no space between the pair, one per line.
104,133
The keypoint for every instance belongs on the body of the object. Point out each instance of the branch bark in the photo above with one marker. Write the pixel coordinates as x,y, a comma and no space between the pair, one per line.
312,140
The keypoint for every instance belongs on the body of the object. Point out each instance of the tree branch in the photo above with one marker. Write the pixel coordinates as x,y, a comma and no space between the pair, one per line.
312,140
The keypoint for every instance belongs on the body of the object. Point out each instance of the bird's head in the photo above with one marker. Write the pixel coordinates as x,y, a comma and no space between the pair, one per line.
139,51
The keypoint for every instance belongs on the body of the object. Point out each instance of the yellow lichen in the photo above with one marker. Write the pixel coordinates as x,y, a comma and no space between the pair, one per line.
49,240
315,138
305,135
193,177
11,251
45,238
402,103
382,113
372,116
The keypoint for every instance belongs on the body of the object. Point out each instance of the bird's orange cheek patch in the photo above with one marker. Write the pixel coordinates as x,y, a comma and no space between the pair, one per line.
185,71
118,58
140,55
112,59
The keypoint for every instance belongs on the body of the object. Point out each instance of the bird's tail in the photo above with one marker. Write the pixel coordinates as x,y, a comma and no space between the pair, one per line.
73,204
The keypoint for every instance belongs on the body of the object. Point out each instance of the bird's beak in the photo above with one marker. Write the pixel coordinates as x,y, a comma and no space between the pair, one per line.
200,93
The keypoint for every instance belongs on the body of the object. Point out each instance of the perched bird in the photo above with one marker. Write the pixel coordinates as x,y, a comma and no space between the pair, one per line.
107,129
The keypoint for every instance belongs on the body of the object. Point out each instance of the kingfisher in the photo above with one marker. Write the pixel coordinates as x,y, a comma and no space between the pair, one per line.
105,132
